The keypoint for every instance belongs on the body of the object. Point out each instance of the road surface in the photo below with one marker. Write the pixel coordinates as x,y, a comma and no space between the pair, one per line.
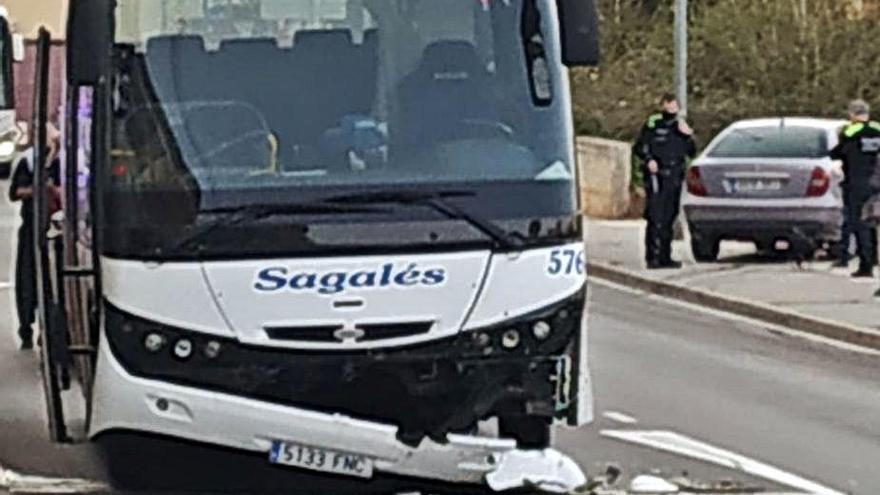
803,407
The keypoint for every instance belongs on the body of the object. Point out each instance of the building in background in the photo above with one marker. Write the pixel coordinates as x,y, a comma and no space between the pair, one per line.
26,17
29,15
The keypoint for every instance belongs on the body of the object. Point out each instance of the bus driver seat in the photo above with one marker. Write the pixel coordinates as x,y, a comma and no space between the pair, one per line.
449,88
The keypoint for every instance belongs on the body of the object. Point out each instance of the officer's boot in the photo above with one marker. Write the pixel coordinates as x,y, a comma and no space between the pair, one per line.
651,247
26,334
665,249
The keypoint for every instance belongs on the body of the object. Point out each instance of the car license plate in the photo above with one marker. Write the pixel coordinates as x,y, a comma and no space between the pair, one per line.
320,459
750,185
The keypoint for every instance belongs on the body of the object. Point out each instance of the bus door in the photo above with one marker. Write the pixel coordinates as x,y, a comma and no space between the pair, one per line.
54,356
66,282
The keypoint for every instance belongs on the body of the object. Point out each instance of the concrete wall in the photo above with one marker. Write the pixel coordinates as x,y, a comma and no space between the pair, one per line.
28,15
605,177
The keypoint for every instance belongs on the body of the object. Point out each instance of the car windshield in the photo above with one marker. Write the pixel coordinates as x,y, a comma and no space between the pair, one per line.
772,142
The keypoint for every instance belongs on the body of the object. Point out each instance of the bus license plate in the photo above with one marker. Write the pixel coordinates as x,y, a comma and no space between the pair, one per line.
319,459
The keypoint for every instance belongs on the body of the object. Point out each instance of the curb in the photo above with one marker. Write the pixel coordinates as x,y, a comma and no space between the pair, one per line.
850,334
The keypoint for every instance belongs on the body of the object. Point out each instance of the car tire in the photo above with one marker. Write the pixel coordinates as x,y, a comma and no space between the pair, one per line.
705,249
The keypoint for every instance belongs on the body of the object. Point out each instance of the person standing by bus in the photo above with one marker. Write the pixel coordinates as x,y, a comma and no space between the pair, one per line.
664,145
858,148
21,188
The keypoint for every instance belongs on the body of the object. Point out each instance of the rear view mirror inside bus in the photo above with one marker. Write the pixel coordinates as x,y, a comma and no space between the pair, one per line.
579,32
88,51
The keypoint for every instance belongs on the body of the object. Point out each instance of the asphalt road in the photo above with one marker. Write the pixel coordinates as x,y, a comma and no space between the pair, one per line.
804,407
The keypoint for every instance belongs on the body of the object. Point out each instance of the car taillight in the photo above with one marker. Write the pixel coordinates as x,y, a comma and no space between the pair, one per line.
819,183
695,184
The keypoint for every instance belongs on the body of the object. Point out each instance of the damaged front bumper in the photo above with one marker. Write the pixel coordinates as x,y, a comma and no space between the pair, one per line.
407,409
122,402
523,368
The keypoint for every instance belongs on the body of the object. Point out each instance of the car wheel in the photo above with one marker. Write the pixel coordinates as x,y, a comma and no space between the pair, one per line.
705,249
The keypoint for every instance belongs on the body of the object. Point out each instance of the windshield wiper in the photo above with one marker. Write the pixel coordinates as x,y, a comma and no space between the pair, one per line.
438,200
236,215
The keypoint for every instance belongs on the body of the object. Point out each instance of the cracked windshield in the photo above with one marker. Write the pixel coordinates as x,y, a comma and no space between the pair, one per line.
439,247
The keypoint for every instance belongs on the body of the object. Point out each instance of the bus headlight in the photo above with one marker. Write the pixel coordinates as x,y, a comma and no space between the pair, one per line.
510,339
154,342
541,330
212,349
183,348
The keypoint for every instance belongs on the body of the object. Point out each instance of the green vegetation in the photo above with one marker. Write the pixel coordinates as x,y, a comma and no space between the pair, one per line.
748,58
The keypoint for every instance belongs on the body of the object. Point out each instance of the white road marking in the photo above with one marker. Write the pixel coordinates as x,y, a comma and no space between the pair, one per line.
620,417
676,443
763,325
5,285
14,482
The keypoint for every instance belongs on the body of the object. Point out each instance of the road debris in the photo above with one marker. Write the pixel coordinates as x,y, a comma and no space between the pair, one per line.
645,483
15,483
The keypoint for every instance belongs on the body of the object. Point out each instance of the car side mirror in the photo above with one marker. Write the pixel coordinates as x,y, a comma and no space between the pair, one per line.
579,32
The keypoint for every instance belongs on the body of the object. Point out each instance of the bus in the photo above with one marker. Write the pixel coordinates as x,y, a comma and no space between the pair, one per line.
9,131
343,234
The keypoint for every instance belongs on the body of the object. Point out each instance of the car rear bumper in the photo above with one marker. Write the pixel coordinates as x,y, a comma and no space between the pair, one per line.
759,223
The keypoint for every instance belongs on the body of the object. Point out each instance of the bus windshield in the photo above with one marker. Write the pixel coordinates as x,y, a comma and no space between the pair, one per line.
233,100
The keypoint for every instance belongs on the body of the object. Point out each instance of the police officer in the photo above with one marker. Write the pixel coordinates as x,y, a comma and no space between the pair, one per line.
664,145
858,147
21,188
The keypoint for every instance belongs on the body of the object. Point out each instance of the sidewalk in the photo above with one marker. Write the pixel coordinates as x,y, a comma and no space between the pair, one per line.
813,289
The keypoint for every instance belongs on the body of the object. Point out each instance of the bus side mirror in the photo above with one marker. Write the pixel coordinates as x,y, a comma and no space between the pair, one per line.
18,50
579,32
89,40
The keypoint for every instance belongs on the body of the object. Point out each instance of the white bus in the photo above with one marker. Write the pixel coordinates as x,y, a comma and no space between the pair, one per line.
343,233
9,131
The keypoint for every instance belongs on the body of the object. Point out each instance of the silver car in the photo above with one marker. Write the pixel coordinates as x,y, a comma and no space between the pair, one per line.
768,181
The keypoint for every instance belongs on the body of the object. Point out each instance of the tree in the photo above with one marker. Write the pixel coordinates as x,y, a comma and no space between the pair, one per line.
748,58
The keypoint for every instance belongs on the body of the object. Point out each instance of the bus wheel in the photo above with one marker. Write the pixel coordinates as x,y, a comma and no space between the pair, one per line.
133,463
529,432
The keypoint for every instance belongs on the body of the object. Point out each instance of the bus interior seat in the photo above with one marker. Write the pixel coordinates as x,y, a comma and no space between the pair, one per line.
175,65
450,85
300,92
339,79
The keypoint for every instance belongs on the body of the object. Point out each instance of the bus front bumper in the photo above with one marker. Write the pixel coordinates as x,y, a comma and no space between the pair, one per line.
122,402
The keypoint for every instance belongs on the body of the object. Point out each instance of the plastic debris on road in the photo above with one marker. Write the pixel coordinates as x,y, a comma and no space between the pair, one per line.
547,470
651,484
14,482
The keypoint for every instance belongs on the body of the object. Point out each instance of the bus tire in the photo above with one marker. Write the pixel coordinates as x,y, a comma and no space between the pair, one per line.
529,432
133,463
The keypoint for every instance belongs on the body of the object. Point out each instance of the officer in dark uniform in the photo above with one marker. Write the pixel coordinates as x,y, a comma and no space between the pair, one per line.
21,188
858,147
664,145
